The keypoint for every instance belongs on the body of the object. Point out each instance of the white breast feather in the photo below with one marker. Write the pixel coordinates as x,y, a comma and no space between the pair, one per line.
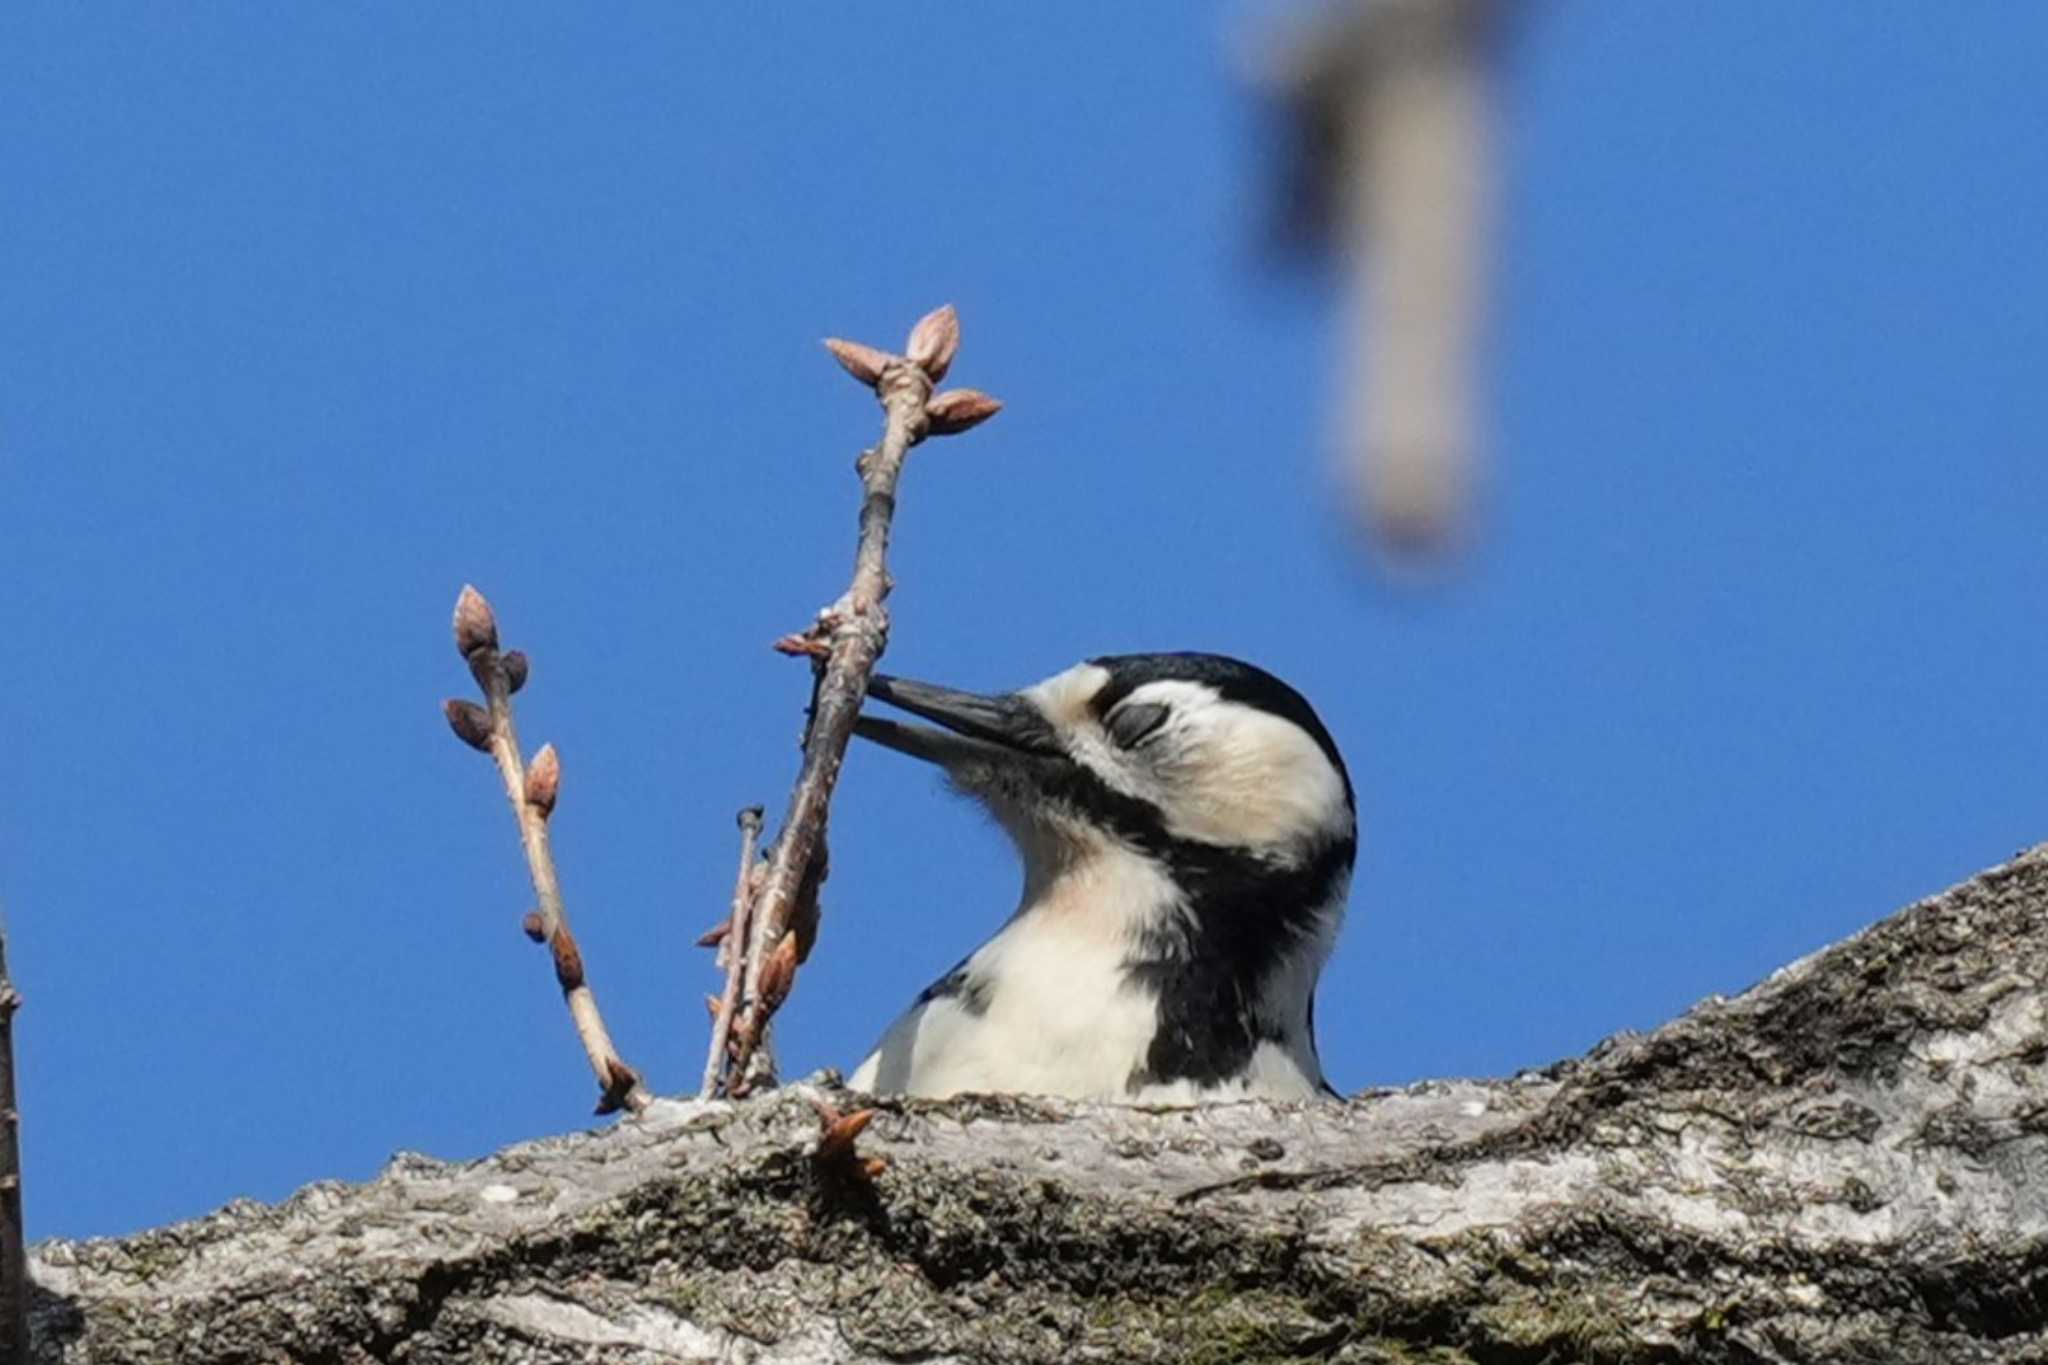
1060,1017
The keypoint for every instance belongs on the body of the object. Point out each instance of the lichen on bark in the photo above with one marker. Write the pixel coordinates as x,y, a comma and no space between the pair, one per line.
1848,1162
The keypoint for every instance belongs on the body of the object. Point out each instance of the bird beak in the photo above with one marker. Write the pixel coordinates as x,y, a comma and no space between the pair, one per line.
976,726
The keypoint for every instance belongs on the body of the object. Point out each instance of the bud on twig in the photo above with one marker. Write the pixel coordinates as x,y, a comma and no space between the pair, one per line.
803,644
623,1080
476,625
864,363
534,791
470,722
568,960
934,342
544,781
775,905
835,1151
956,410
836,1143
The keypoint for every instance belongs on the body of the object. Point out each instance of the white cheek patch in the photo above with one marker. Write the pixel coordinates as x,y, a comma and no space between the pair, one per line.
1219,772
1250,778
1226,773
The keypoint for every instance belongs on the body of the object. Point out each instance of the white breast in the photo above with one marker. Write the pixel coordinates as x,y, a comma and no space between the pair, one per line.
1056,1020
1057,1016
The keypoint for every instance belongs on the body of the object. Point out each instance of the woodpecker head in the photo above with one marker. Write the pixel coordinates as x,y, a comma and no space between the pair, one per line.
1189,813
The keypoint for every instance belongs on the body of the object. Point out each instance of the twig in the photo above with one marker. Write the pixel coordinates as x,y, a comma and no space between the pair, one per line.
732,953
13,1234
845,642
533,791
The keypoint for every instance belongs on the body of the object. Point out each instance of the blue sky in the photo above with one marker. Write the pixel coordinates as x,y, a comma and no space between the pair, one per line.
312,314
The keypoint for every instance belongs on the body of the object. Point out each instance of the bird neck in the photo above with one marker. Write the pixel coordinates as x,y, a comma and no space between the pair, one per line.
1230,944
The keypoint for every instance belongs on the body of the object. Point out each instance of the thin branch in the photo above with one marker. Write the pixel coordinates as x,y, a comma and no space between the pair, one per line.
845,643
13,1234
732,953
532,792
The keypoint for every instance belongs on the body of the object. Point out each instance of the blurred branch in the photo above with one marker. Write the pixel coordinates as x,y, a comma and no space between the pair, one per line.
533,791
13,1233
1393,160
844,644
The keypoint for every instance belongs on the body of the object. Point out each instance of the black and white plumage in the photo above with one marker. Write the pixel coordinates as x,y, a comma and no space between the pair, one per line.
1187,830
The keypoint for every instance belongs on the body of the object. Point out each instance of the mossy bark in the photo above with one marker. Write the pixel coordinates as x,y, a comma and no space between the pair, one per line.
1847,1163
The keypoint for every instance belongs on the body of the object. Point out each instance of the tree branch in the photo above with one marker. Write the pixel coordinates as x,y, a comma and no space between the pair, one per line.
732,953
1841,1164
532,792
1392,164
845,642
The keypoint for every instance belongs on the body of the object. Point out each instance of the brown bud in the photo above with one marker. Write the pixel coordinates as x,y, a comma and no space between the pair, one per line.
934,341
515,669
476,625
873,1167
778,973
470,722
956,410
544,781
621,1081
714,1007
805,645
864,363
534,926
837,1142
568,960
716,934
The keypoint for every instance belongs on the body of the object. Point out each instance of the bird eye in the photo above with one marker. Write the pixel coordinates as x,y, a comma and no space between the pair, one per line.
1130,724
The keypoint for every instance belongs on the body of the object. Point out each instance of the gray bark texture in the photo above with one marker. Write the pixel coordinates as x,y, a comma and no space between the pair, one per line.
1847,1163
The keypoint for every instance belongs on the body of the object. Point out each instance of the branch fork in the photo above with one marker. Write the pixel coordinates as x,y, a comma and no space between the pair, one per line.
771,933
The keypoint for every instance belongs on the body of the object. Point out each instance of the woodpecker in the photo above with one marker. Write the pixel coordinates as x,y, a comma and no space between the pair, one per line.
1187,830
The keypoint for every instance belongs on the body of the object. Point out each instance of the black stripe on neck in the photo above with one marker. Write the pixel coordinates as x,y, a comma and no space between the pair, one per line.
1209,962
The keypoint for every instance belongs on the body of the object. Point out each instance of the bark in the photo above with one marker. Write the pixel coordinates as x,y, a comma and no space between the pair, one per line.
1847,1163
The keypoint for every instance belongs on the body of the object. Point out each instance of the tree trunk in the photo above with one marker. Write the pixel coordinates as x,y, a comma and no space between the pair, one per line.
1847,1163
